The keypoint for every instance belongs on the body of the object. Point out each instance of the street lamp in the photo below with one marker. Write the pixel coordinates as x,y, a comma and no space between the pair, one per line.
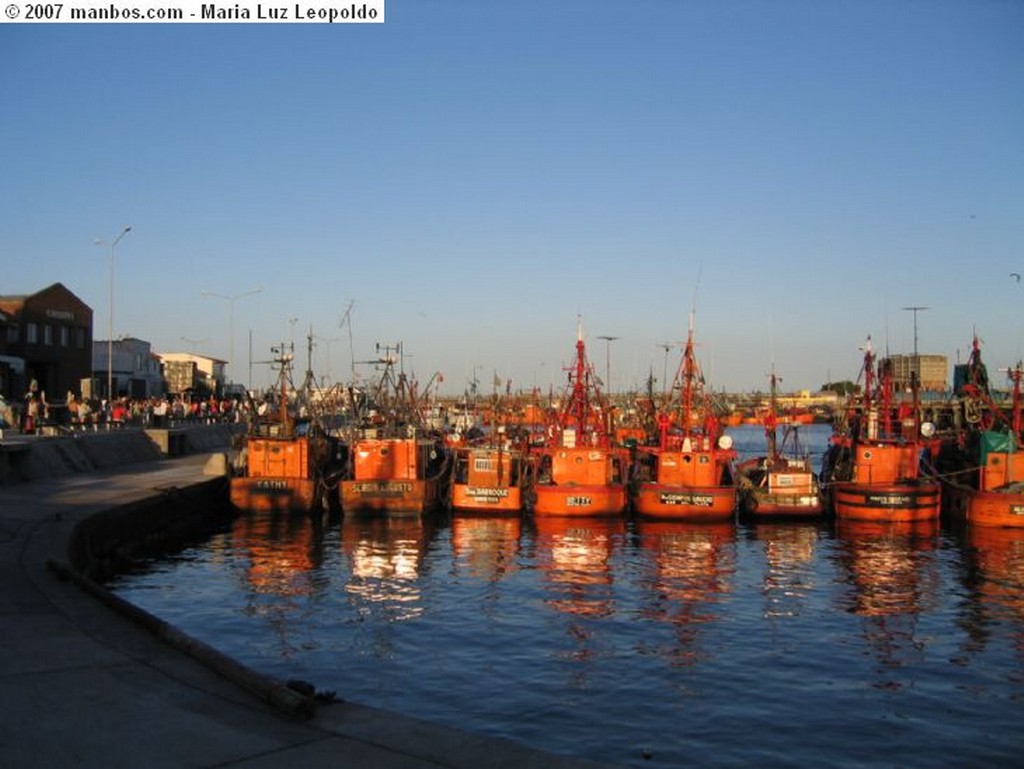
916,371
110,310
231,319
608,361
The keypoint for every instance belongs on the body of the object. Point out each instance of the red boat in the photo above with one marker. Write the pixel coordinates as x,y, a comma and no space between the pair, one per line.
396,465
579,471
283,463
781,483
983,467
688,471
874,463
493,475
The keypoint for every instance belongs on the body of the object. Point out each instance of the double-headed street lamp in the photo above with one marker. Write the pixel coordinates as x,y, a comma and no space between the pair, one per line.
110,311
231,320
608,361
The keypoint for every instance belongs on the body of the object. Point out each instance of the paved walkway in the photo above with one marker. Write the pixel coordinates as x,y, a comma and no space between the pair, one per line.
83,686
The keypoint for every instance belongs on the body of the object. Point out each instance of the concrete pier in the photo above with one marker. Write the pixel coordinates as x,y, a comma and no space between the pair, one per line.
86,684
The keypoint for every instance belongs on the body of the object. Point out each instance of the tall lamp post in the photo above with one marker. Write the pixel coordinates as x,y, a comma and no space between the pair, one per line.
916,371
231,319
110,310
608,361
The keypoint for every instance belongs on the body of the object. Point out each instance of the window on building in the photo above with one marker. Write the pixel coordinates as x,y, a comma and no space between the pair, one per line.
48,335
31,333
79,338
12,333
64,334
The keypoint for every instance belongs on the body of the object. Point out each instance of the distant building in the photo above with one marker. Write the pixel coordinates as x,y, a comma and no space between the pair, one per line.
45,343
933,370
136,370
190,373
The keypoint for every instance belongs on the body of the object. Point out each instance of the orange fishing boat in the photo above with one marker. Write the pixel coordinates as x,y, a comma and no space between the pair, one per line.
688,473
983,468
781,483
873,466
491,476
579,471
395,464
283,464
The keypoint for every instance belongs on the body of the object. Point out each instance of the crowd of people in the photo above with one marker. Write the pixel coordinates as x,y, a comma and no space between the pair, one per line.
76,413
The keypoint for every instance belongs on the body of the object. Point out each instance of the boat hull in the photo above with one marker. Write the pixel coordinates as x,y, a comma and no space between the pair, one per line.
999,509
263,494
695,503
391,496
887,501
469,498
579,500
762,503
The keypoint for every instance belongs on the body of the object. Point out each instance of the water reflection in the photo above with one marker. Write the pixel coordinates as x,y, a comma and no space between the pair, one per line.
692,571
385,555
994,577
574,555
278,558
486,545
892,570
789,566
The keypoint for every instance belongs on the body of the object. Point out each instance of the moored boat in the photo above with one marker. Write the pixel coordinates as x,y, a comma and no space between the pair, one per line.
396,465
284,462
781,483
983,464
491,476
686,470
873,467
579,471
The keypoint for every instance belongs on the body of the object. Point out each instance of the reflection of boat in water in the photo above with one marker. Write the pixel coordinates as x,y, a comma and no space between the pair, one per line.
983,464
998,558
781,483
873,467
395,464
692,570
385,555
486,545
892,565
688,474
284,462
574,553
789,558
579,472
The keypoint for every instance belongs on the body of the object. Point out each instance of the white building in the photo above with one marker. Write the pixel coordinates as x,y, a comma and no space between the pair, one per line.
136,371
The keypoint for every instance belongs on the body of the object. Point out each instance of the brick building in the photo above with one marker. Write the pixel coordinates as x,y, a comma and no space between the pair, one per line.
45,343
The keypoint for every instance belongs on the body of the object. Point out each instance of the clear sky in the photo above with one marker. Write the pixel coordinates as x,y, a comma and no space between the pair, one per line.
472,177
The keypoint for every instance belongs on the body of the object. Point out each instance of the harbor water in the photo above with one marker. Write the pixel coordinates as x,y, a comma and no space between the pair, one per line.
635,643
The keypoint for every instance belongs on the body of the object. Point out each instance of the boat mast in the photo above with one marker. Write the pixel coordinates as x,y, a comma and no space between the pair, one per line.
578,410
770,420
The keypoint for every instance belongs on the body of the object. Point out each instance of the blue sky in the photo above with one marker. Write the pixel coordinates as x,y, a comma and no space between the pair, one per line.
473,177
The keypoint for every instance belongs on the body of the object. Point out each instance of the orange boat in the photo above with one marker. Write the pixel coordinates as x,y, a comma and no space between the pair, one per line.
983,469
283,464
874,463
779,484
688,474
493,477
395,464
579,472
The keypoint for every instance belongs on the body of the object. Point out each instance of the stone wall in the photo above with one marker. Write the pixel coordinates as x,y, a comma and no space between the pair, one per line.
89,452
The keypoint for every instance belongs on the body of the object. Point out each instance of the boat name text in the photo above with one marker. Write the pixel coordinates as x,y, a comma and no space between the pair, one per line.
697,500
480,492
271,485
